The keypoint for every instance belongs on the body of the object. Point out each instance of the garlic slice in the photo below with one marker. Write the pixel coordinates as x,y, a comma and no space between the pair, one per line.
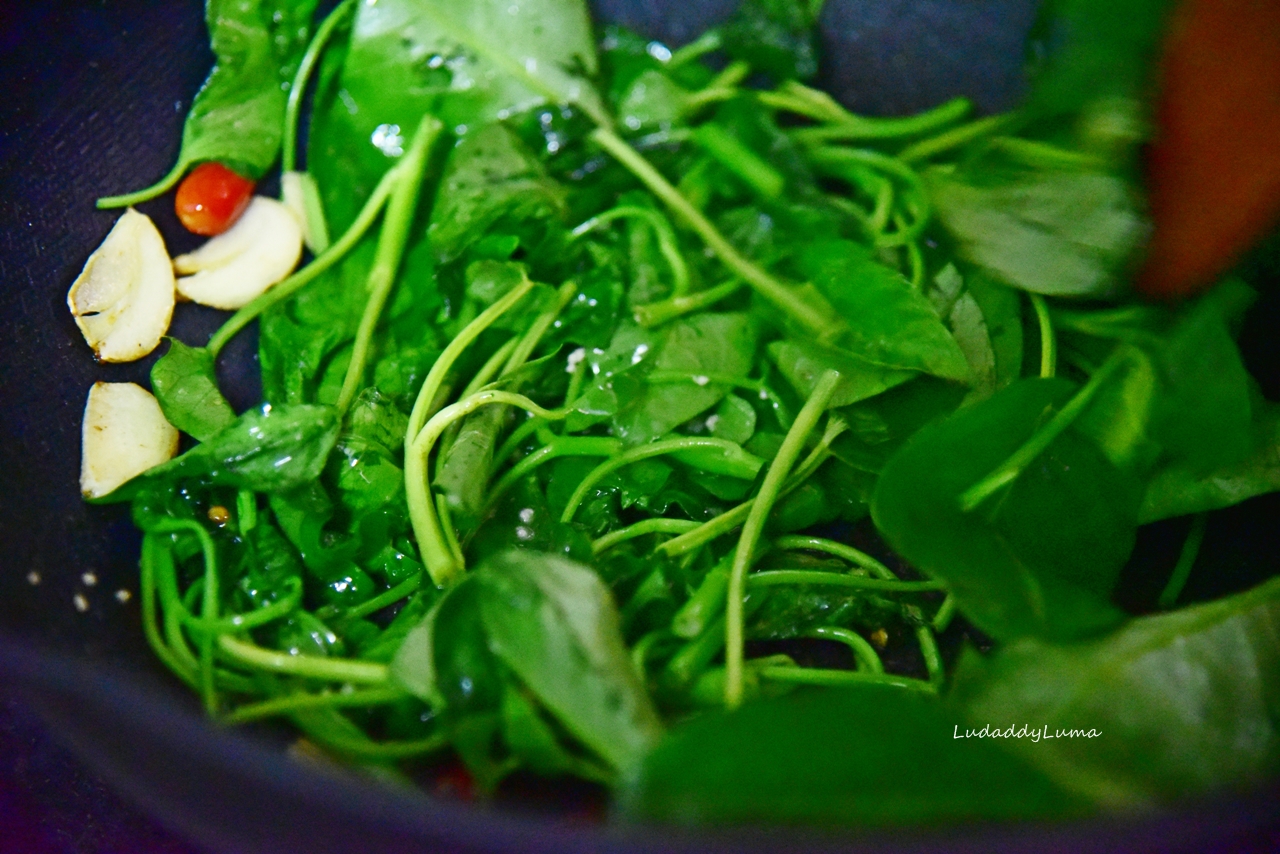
240,264
123,435
123,299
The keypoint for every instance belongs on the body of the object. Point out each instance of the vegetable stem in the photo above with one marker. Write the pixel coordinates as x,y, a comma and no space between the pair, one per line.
391,245
753,527
809,318
1186,562
1010,469
1048,340
307,666
289,143
658,525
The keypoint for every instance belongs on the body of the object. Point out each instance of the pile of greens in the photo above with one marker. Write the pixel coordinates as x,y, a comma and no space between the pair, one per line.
569,431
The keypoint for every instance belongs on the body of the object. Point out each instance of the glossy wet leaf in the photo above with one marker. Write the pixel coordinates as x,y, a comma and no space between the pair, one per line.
553,622
1184,702
490,179
184,383
890,323
271,449
1039,558
804,362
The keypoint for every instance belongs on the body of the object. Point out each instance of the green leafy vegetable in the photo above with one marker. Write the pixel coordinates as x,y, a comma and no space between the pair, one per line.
1220,661
184,383
1041,557
237,117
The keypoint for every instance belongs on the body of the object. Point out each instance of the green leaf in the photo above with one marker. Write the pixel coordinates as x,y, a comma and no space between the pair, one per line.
1001,308
271,449
1061,233
804,362
185,386
774,36
554,624
964,317
469,63
237,117
1039,559
734,420
446,660
491,179
1183,703
890,323
699,347
1098,52
846,757
1204,415
1178,489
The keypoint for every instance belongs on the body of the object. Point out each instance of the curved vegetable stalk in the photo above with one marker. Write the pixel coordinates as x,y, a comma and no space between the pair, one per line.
754,527
391,245
810,318
438,554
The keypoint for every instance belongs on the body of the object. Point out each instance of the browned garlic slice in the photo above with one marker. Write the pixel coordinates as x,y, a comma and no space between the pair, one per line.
123,299
240,264
123,435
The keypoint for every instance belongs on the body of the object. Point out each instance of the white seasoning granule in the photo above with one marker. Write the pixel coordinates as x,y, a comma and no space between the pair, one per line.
81,603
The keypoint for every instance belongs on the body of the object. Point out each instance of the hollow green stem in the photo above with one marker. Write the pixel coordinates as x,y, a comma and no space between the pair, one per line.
929,651
657,525
864,654
384,599
818,578
809,318
1186,561
1048,340
955,137
819,676
1009,470
844,126
306,666
251,620
753,170
326,259
946,611
289,703
753,527
293,107
146,194
151,549
664,311
391,245
561,446
732,518
733,453
668,245
840,550
439,555
431,386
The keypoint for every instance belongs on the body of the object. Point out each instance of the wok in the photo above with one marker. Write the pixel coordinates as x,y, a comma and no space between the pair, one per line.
94,97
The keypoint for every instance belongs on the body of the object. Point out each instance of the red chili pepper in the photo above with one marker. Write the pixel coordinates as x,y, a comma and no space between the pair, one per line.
211,198
1214,168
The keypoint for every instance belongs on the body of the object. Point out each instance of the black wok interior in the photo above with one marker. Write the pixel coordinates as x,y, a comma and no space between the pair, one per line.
92,98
